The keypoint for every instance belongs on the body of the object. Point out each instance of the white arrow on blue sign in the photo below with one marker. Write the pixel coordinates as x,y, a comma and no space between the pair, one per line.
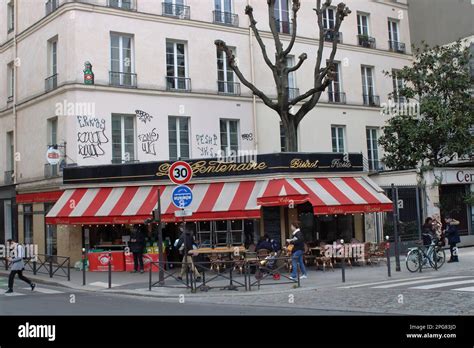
182,196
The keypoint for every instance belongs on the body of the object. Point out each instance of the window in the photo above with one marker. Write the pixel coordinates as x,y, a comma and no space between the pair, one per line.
282,16
10,81
10,151
52,81
122,61
176,8
178,133
282,138
372,148
51,6
229,136
10,16
123,4
28,224
293,91
223,12
334,89
123,138
337,134
53,140
368,86
363,24
225,75
393,31
51,242
176,66
329,21
397,83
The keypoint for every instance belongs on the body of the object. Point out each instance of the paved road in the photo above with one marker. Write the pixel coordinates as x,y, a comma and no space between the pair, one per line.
52,300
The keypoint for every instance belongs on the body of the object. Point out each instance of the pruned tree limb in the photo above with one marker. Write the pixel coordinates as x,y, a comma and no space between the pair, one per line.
301,58
273,29
253,26
296,8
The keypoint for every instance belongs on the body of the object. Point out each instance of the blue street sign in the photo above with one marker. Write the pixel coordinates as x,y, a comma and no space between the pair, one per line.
182,196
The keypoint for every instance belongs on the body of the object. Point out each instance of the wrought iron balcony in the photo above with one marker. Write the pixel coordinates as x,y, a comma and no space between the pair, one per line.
371,100
117,160
337,97
8,177
180,84
284,27
122,4
226,18
51,6
174,10
330,36
226,87
293,93
396,46
51,83
120,79
366,41
398,99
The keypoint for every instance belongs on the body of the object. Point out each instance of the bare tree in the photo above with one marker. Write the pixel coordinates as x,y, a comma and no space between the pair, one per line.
323,76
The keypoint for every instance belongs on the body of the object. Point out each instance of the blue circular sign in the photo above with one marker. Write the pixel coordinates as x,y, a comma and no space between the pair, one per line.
182,196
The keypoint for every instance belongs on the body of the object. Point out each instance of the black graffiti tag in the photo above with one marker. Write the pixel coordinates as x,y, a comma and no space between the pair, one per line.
143,116
247,136
148,141
90,142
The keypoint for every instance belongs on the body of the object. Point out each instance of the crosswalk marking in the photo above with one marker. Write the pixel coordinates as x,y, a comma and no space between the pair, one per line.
45,291
14,294
384,282
416,282
469,289
441,285
102,284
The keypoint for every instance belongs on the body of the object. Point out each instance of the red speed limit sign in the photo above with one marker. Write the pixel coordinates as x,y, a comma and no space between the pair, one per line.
180,172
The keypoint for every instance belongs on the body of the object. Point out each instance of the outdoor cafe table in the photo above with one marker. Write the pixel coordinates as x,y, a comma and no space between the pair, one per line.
219,250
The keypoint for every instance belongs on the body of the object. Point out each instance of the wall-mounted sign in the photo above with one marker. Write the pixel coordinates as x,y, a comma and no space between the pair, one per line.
456,176
53,156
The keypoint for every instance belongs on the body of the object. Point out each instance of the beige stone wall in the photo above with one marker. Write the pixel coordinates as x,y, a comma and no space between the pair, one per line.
38,227
70,242
20,224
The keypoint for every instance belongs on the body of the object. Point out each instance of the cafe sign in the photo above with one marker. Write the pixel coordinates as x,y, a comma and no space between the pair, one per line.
457,176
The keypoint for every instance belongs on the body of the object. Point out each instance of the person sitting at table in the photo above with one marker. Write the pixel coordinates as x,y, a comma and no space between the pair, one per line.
264,243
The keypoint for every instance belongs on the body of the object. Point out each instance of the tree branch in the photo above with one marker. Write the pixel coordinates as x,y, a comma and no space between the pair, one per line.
253,26
302,58
222,46
296,7
273,29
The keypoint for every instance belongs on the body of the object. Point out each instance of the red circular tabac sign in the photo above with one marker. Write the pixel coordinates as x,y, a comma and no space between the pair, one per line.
180,172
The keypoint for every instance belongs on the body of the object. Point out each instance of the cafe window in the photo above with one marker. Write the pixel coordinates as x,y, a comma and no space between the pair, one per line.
337,135
28,224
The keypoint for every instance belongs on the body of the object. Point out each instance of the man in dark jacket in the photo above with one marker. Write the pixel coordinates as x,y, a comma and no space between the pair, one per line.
137,244
453,237
186,242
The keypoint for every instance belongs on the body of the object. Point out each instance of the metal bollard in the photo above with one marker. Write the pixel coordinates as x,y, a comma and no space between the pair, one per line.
387,251
110,270
343,269
298,270
34,267
50,266
420,260
6,264
68,269
149,279
84,266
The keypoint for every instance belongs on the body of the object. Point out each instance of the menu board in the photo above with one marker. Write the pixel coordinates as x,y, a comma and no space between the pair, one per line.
271,222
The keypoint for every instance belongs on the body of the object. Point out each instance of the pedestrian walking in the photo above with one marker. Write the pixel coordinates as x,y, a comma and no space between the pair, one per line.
186,243
428,232
17,265
452,234
297,241
137,244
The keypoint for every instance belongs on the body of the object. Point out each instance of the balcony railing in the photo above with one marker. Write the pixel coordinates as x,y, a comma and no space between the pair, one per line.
366,41
372,165
337,97
331,36
51,6
50,171
371,100
51,82
10,99
284,27
293,93
399,99
121,79
181,84
8,177
226,87
226,18
122,4
117,160
396,46
174,10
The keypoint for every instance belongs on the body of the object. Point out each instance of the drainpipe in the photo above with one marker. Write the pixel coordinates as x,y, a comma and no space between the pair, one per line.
15,90
252,76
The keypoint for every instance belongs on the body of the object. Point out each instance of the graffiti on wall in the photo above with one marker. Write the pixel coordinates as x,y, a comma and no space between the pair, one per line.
148,140
143,116
247,136
91,136
207,145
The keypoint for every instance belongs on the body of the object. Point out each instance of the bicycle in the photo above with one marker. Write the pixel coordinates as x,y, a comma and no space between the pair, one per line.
417,257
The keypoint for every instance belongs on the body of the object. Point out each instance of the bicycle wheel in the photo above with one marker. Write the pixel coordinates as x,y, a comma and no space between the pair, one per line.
440,257
413,260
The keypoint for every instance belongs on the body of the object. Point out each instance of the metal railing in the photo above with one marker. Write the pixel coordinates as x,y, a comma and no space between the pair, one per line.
366,41
226,18
50,170
396,46
128,5
51,83
293,93
8,177
228,87
398,99
371,100
175,10
337,97
284,27
121,79
174,83
51,265
331,35
51,6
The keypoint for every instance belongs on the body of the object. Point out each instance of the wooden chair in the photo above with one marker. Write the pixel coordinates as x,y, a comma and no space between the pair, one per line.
238,262
323,260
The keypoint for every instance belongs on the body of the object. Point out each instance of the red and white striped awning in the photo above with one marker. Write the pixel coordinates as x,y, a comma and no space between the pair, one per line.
216,201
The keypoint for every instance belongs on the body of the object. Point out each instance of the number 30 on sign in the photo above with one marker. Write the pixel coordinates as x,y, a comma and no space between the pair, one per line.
180,172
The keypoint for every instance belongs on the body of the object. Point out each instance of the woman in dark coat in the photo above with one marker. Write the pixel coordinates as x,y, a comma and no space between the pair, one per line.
453,237
137,244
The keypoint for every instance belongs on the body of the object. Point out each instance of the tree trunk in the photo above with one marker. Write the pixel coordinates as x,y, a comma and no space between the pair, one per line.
291,143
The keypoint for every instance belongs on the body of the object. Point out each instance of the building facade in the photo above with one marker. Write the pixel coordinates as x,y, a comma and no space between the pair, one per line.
161,91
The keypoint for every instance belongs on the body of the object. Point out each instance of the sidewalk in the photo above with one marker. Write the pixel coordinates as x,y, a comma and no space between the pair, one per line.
137,284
